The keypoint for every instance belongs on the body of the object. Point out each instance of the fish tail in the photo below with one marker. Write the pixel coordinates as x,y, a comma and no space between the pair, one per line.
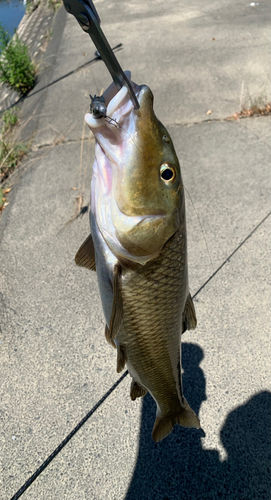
164,425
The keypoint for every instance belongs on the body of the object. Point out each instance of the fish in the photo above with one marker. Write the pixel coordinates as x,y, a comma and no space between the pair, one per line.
138,248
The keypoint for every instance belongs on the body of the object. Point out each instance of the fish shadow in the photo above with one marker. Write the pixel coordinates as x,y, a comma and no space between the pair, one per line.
179,468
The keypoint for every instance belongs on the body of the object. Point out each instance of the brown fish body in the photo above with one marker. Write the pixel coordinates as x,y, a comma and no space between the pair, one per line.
154,300
138,248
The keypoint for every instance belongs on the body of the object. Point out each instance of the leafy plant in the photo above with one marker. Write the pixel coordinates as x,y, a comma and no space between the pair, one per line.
11,152
16,67
4,37
10,155
10,119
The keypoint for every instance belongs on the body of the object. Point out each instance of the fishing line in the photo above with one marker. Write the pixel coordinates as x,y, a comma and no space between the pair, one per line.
97,58
95,407
201,226
67,439
139,150
231,255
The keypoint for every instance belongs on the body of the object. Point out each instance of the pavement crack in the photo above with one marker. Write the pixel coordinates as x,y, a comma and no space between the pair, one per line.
216,120
59,142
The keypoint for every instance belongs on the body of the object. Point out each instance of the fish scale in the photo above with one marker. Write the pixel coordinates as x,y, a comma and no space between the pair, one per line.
149,314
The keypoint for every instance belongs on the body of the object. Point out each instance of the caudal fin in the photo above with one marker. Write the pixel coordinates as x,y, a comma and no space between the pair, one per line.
164,425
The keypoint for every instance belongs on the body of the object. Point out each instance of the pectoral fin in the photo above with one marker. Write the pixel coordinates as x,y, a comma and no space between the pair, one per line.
117,308
189,315
108,338
85,256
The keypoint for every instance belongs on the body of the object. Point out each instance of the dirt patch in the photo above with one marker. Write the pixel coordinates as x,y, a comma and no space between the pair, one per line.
253,111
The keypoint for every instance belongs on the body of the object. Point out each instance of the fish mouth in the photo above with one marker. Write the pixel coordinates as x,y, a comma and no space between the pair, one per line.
118,104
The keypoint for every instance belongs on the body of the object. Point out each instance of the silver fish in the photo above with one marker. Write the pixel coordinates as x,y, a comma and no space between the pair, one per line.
138,248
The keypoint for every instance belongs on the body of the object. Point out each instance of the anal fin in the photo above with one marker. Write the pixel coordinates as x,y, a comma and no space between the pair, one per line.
164,425
189,315
137,390
85,256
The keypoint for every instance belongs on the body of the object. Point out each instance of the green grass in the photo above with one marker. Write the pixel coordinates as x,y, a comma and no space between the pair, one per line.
10,119
10,155
11,152
16,68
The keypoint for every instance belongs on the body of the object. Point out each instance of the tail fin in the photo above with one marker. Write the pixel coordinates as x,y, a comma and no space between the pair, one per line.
164,425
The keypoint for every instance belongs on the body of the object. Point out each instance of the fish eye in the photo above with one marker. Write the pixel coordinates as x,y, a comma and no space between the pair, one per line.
166,139
168,173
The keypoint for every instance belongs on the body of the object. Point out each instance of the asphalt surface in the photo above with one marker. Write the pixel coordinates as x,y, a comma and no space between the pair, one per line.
55,362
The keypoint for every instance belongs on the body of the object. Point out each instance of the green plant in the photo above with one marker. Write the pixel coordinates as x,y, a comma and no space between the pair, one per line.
10,119
11,151
31,5
4,37
16,67
10,155
54,4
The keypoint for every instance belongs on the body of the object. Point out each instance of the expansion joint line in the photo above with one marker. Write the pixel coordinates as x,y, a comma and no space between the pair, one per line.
114,386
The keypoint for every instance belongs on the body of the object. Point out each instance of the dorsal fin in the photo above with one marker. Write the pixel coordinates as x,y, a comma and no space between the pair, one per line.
85,256
117,308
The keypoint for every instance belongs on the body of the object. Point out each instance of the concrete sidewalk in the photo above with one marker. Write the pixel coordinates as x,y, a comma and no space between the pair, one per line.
55,362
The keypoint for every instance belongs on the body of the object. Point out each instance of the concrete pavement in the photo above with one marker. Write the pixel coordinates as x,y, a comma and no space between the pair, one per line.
55,362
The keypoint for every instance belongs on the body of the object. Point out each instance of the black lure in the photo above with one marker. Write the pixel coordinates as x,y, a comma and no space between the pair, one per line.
98,109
